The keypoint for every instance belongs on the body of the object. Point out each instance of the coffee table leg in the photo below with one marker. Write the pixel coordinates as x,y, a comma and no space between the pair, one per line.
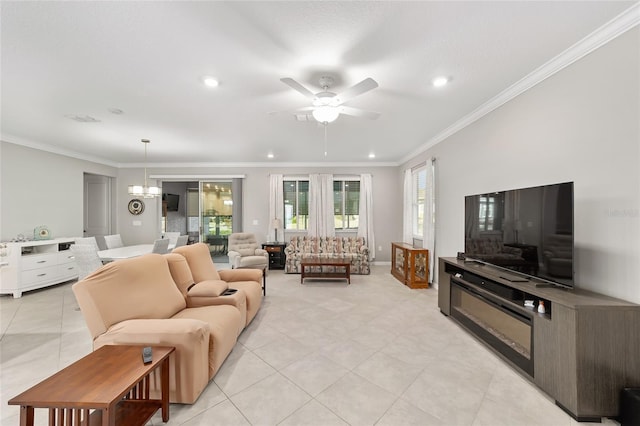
26,415
165,389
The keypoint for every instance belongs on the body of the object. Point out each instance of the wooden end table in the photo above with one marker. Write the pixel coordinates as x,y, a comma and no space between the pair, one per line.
342,269
113,381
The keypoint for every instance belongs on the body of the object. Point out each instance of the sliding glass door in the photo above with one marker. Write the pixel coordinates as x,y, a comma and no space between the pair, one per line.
216,215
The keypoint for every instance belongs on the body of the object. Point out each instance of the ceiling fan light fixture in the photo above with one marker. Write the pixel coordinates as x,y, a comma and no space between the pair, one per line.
440,81
326,114
210,81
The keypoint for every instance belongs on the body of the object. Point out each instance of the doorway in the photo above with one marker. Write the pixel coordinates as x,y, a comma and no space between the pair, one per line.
216,217
97,206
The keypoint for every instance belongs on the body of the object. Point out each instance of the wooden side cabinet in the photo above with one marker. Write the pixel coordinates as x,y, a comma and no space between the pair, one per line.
410,265
277,257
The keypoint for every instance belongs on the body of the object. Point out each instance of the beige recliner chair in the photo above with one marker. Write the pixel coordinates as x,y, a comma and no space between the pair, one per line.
136,302
245,252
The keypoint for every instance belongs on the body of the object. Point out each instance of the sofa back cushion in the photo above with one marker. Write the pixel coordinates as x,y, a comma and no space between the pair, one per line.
199,259
138,288
312,245
180,271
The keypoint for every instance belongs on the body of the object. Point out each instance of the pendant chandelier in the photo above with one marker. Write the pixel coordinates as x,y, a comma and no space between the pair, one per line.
145,191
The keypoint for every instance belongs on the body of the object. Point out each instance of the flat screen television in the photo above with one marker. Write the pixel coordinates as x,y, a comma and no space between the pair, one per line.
528,231
172,201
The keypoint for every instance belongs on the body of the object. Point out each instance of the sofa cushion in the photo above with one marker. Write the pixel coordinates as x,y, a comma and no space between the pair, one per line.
137,288
199,260
224,322
180,272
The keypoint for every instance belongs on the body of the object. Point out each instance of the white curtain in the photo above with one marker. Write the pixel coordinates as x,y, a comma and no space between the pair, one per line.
429,228
365,212
276,208
321,222
407,216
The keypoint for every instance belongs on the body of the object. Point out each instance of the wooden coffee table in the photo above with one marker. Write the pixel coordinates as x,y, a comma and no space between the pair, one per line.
113,381
342,269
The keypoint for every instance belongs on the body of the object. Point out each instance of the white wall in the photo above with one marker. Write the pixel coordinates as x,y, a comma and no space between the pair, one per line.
580,125
256,202
41,188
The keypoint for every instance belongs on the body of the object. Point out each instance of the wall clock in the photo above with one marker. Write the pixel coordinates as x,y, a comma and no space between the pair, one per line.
136,206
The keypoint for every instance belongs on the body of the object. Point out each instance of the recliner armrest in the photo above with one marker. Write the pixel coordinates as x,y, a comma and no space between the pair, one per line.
261,252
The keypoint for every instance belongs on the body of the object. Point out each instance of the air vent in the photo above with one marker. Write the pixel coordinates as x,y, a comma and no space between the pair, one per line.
82,118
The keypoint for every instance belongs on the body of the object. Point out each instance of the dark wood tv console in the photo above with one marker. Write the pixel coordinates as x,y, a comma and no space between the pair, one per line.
581,351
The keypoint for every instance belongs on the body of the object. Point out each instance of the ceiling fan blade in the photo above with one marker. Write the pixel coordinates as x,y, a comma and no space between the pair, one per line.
357,112
360,88
298,87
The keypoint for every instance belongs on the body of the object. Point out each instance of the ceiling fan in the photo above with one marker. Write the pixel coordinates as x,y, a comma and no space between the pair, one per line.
327,106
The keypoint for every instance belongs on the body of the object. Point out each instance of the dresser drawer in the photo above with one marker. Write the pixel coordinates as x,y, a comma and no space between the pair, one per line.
34,276
273,249
65,256
39,261
68,270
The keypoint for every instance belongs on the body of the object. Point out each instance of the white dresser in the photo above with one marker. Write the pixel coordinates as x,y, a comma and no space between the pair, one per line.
29,265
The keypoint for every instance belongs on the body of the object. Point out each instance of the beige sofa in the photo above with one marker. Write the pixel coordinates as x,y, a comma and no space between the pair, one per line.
136,301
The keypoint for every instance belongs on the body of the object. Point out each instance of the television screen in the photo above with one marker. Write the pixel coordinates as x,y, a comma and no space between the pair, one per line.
528,230
172,201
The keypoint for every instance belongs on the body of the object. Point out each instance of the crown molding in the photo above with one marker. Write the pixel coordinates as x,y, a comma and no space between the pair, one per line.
622,23
265,164
55,150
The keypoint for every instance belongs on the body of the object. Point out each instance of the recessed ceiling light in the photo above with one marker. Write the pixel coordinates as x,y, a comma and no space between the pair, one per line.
440,81
372,155
270,155
210,81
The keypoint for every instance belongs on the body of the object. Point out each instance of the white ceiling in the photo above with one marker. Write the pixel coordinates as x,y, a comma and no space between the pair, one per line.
147,59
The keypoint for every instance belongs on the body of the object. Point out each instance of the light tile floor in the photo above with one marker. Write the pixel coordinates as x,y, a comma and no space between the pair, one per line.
323,353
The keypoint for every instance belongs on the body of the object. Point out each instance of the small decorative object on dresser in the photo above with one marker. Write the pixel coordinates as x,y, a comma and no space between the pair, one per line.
41,233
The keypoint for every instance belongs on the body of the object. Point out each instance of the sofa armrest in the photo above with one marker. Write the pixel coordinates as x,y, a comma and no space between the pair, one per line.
189,364
233,275
261,252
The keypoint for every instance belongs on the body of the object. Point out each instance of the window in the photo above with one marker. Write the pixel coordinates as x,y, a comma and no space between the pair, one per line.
296,205
419,191
346,204
490,212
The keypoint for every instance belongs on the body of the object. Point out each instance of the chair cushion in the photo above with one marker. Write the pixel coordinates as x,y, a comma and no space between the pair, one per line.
246,251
